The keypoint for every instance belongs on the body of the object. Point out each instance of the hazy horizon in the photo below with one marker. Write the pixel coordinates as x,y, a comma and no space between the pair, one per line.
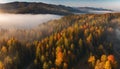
108,4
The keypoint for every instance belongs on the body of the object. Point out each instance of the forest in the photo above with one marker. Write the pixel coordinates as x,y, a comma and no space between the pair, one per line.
72,42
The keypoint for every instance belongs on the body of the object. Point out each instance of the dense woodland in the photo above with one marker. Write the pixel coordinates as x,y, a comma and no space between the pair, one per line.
62,44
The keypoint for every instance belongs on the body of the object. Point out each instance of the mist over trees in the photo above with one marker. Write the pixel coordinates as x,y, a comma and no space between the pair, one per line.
62,44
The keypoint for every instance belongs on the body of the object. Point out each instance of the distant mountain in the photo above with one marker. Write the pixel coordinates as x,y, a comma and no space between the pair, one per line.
89,9
36,8
42,8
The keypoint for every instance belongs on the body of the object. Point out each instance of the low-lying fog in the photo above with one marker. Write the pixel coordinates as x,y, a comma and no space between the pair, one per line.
24,20
100,12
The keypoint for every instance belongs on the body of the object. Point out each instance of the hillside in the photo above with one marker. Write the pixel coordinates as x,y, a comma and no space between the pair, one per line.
36,8
43,8
72,42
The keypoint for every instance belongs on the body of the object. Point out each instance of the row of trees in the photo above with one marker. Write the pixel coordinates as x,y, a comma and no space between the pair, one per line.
105,62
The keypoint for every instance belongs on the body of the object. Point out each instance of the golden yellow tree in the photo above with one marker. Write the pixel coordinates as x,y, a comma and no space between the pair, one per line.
108,65
4,49
1,65
103,58
92,60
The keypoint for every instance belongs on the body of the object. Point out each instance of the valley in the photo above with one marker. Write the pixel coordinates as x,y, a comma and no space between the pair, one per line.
59,34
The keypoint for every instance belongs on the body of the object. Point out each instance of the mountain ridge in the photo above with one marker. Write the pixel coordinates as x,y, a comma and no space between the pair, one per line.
41,8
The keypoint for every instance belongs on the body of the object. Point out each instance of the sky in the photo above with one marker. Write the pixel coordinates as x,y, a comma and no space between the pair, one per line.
108,4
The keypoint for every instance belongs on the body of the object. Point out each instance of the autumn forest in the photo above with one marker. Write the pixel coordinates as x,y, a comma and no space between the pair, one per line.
83,41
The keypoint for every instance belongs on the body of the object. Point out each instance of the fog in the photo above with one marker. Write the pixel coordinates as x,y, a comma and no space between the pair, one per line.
24,20
101,12
26,26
